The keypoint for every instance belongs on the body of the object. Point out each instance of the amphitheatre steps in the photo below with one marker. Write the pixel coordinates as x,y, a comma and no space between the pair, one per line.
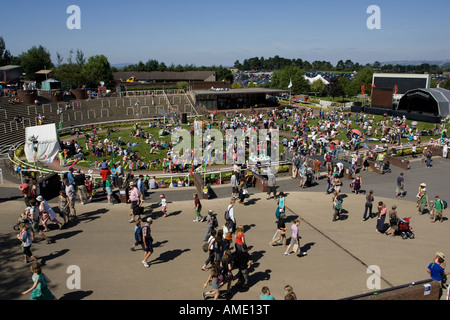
82,112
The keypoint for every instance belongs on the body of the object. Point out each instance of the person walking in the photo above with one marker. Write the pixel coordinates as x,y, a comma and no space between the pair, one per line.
25,237
80,185
281,208
271,186
34,214
243,263
423,201
63,206
295,166
289,293
436,270
47,213
393,221
382,210
211,224
295,239
25,188
266,294
109,190
39,290
231,217
211,253
71,194
163,203
147,240
226,267
368,206
280,235
198,209
240,238
234,184
400,186
437,209
137,235
357,184
133,198
214,278
337,207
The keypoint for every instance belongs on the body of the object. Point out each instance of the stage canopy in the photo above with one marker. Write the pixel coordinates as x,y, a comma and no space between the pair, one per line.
41,143
434,101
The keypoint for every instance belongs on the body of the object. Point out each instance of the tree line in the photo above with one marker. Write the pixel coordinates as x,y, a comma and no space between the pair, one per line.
77,70
277,63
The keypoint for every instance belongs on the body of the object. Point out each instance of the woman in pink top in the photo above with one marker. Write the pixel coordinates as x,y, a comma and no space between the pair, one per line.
295,239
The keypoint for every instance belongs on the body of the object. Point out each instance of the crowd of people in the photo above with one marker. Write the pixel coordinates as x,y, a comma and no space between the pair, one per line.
227,260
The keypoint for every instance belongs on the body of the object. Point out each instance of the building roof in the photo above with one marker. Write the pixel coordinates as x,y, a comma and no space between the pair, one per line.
440,95
240,91
166,75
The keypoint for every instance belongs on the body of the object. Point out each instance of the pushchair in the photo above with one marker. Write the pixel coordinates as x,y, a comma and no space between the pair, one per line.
387,167
404,229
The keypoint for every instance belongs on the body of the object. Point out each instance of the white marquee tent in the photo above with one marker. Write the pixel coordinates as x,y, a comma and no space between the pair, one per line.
318,77
41,143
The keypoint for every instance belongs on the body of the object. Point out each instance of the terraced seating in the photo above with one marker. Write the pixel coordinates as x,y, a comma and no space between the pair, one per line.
85,112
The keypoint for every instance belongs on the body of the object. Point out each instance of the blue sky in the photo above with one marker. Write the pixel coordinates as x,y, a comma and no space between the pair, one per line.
220,32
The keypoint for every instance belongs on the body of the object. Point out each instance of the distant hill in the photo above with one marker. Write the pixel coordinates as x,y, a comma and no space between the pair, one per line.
418,62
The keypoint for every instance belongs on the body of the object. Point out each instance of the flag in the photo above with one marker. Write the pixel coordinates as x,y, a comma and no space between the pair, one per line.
373,85
395,89
192,172
363,90
290,84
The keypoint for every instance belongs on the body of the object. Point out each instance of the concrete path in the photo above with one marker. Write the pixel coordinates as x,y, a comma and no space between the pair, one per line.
338,253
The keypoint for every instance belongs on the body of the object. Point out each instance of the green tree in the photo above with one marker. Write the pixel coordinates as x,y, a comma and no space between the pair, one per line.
318,87
334,88
5,55
282,78
251,84
97,69
70,75
35,59
365,77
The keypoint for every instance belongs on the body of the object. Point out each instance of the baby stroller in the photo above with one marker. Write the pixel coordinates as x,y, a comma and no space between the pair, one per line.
309,179
387,167
404,229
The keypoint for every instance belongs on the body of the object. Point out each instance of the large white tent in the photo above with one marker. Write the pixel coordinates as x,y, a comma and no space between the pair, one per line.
318,77
41,143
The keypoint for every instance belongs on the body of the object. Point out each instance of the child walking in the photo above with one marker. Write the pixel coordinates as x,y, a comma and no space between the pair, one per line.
137,234
163,203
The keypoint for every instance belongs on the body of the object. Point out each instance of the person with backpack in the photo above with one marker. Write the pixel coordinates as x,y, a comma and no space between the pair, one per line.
393,221
25,237
437,209
211,224
147,240
229,216
210,249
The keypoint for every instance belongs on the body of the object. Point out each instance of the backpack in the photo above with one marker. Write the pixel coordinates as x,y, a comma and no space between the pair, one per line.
227,215
394,217
444,204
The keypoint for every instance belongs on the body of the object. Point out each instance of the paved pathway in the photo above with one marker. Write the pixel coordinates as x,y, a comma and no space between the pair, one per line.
335,267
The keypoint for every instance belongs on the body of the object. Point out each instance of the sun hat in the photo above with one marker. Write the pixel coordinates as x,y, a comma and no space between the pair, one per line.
440,254
40,198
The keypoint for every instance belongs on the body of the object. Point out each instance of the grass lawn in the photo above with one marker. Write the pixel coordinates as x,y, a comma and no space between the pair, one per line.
142,149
